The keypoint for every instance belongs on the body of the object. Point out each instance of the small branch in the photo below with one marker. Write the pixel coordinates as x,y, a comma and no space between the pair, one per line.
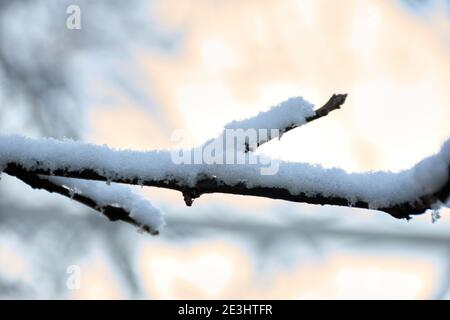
113,213
334,103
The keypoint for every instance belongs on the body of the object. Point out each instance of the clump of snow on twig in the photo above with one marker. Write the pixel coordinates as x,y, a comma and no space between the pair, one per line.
293,111
432,172
140,209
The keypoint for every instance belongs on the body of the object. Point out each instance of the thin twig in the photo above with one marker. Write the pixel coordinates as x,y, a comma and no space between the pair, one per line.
113,213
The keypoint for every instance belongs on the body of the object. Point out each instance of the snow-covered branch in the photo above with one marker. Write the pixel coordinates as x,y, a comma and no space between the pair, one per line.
409,192
284,117
116,202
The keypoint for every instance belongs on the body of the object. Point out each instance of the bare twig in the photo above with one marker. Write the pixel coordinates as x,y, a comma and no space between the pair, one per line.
335,102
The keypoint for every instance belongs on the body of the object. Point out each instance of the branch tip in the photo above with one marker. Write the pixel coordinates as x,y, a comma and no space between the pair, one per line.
188,198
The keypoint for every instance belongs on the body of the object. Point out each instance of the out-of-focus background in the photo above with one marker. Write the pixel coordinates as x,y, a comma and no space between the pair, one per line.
137,71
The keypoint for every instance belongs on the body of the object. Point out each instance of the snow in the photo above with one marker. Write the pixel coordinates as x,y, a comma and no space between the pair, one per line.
293,111
432,172
116,195
445,151
266,125
379,189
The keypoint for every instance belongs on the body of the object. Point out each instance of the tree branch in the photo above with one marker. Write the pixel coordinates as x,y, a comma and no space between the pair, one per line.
113,213
411,192
334,103
211,184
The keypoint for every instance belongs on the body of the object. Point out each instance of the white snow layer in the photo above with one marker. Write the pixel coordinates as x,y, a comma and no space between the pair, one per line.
122,196
293,111
271,124
378,189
